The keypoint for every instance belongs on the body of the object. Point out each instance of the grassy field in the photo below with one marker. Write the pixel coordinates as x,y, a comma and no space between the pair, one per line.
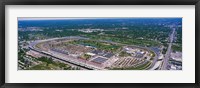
99,45
124,54
49,64
177,47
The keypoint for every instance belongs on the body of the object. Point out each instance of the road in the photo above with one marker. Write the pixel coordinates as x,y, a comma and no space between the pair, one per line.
167,55
154,61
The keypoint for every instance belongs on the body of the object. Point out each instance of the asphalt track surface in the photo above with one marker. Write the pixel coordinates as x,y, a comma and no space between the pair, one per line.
82,65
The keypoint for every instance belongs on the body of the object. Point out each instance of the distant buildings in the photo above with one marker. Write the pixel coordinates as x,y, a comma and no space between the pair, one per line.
30,29
177,56
90,30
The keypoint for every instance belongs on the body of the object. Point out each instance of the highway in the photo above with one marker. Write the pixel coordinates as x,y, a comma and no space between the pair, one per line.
167,55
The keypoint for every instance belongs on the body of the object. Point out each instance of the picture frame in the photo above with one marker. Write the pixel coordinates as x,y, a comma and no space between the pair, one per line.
99,2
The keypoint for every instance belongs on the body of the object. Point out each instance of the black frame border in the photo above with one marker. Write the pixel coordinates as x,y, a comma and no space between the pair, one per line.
99,2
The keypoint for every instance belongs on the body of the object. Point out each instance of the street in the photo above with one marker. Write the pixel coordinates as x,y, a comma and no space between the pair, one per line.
167,55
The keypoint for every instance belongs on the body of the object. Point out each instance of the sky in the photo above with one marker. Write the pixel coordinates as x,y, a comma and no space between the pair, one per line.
75,18
54,18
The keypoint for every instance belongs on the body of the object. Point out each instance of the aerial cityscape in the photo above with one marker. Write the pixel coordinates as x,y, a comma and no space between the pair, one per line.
110,43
